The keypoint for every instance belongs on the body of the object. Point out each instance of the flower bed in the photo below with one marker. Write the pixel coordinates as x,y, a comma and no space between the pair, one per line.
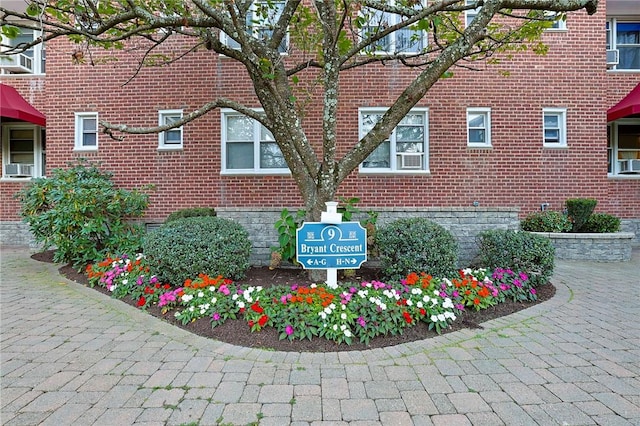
352,312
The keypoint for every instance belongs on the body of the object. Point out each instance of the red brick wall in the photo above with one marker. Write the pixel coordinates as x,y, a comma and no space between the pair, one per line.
516,172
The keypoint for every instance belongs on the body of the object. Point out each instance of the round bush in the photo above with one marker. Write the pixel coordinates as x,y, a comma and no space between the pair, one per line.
518,251
183,248
601,223
416,245
546,221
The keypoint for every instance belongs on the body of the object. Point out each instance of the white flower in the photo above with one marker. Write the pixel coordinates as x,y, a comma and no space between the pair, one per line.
139,256
416,291
200,294
234,297
187,297
436,293
347,333
327,311
447,304
434,318
206,306
259,288
314,285
441,317
335,327
191,308
332,306
409,302
362,293
426,298
343,327
419,304
322,315
125,282
343,316
383,306
241,304
449,314
250,289
213,300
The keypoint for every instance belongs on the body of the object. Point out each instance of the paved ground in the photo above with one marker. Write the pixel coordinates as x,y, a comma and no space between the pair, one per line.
73,356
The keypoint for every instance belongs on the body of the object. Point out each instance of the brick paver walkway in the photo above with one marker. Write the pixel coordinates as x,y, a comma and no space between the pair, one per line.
70,355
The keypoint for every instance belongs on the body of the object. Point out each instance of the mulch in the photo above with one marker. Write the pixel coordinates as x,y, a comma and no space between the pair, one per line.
236,332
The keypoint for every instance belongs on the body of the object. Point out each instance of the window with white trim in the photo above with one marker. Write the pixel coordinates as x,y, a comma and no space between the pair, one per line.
623,147
249,147
172,138
559,23
262,18
86,134
470,15
23,151
554,127
479,127
31,61
405,41
406,149
623,44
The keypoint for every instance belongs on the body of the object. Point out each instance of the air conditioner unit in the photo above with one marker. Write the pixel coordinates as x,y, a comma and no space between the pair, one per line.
412,160
629,166
18,170
612,57
18,63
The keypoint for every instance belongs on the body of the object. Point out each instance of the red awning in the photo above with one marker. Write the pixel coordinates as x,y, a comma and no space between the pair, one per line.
12,105
628,106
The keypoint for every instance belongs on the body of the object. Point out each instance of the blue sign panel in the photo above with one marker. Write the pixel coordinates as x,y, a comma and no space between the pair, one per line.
331,246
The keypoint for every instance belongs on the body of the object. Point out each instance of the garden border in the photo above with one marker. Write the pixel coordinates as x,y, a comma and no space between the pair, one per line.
597,247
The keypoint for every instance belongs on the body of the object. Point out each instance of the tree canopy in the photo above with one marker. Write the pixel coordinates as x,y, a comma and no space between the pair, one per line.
328,36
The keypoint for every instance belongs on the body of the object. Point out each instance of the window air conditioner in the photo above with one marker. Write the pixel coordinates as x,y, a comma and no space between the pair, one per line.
410,160
629,166
18,170
612,57
18,63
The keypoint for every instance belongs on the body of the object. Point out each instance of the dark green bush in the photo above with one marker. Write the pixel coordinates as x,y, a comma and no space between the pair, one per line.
601,223
546,221
519,251
183,248
416,245
81,213
579,210
191,212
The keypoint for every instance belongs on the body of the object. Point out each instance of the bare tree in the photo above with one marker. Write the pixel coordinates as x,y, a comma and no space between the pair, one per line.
329,36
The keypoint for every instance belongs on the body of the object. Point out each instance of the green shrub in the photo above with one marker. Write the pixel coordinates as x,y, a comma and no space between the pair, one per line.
81,213
518,251
579,210
191,212
546,221
601,223
183,248
416,245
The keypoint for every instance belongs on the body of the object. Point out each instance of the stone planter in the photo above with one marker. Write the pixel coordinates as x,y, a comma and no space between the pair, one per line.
613,247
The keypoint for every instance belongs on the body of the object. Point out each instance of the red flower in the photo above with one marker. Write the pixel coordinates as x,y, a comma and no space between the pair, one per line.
257,308
407,317
423,311
476,301
142,301
263,320
251,323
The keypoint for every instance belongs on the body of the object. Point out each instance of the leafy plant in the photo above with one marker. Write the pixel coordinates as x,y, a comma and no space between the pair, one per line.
601,223
209,245
416,244
191,212
286,226
82,213
579,210
518,251
546,221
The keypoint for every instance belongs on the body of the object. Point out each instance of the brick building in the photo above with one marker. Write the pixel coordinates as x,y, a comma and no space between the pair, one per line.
485,145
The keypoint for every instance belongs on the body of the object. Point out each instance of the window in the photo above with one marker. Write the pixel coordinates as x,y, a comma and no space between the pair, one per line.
406,148
623,148
170,139
405,40
261,21
247,146
86,131
31,61
559,23
470,15
554,127
623,44
23,151
479,127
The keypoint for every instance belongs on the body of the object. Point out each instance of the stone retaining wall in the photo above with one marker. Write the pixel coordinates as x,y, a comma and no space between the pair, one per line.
613,247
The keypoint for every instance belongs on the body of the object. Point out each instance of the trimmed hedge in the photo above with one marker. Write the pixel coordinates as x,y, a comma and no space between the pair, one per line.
183,248
602,223
416,245
546,221
579,210
191,212
518,251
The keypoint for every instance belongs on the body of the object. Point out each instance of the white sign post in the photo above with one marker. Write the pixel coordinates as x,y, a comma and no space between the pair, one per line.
331,216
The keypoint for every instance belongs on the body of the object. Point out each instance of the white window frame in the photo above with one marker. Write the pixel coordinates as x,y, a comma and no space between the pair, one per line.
80,118
394,155
38,150
613,150
561,113
612,42
469,15
558,24
257,133
255,29
393,37
37,55
486,112
163,115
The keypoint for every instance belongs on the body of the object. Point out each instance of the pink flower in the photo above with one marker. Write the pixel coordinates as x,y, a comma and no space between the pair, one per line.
215,316
289,330
533,291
